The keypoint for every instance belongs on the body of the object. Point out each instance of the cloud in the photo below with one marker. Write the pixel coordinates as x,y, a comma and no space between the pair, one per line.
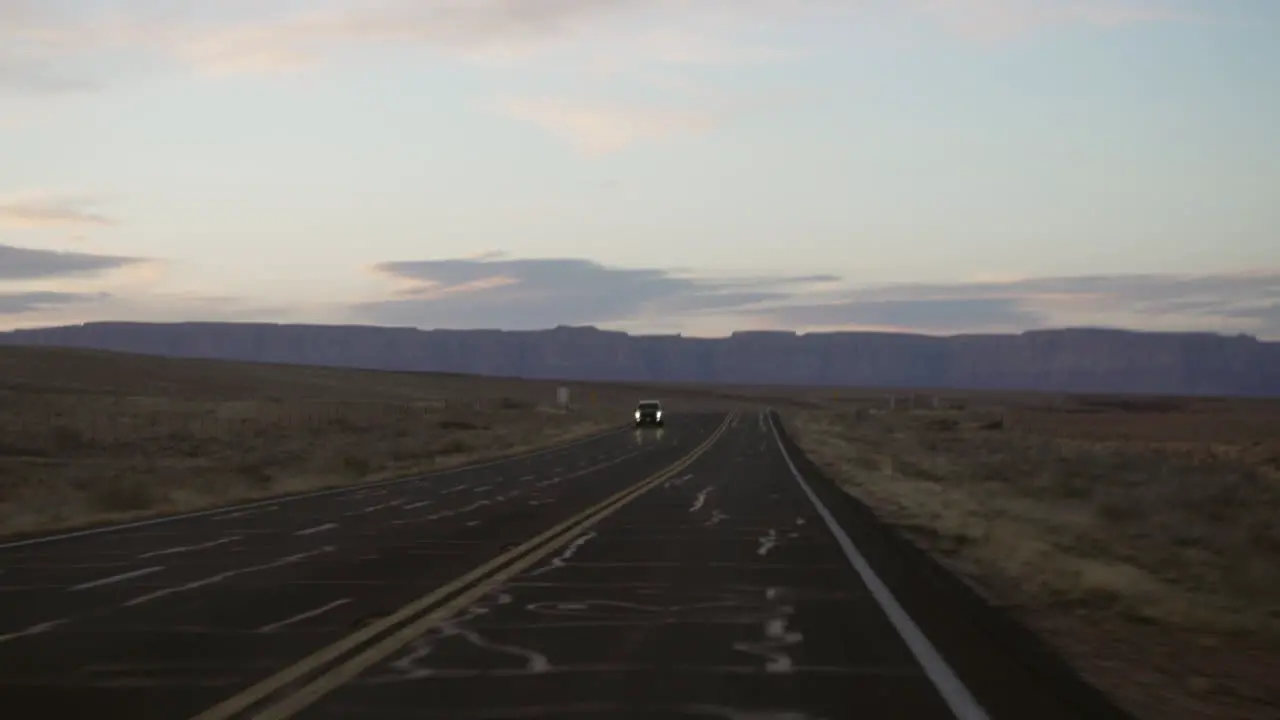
34,211
275,35
47,287
1000,19
32,60
517,294
27,264
61,47
20,303
1226,302
183,307
667,31
31,76
495,291
47,308
1265,318
605,129
45,43
585,36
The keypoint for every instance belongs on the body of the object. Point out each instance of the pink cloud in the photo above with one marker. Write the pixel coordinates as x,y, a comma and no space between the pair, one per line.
48,210
999,19
607,128
273,36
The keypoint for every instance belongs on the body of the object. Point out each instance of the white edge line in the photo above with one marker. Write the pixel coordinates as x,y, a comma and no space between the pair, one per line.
304,496
954,692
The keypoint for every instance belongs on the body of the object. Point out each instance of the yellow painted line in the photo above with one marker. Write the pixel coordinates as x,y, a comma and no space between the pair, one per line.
347,671
292,674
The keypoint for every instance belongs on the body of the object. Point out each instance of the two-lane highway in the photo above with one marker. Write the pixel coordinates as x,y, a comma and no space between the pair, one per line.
164,619
718,593
687,573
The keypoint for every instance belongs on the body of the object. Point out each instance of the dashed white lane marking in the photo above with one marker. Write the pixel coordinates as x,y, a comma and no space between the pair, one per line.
118,578
223,576
186,548
453,490
473,506
247,513
768,542
316,529
528,477
33,630
482,488
304,616
677,481
417,504
560,478
777,632
373,508
953,691
700,500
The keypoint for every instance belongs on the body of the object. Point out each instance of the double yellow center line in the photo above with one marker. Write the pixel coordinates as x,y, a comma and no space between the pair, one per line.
427,611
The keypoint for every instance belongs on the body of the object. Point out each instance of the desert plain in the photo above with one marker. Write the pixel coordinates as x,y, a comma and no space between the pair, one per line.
1138,535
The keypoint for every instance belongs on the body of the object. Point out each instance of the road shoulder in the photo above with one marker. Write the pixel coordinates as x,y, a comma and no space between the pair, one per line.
974,635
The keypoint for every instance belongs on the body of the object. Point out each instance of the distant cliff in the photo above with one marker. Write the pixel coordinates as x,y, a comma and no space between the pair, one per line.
1057,360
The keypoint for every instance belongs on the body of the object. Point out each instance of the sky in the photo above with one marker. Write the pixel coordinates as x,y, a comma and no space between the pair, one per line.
655,166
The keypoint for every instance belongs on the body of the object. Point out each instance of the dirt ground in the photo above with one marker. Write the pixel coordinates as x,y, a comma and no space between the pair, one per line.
89,437
1140,536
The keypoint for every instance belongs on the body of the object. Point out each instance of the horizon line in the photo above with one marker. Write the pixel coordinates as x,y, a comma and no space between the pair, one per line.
679,335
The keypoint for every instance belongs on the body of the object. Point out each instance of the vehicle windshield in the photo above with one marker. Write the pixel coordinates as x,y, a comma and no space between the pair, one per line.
649,406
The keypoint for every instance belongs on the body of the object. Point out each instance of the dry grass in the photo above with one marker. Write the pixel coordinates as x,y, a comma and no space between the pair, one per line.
88,437
1141,537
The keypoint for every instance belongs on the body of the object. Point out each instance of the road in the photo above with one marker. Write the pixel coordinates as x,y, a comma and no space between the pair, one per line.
685,573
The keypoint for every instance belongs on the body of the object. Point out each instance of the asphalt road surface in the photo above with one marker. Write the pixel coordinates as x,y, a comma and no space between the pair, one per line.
686,573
